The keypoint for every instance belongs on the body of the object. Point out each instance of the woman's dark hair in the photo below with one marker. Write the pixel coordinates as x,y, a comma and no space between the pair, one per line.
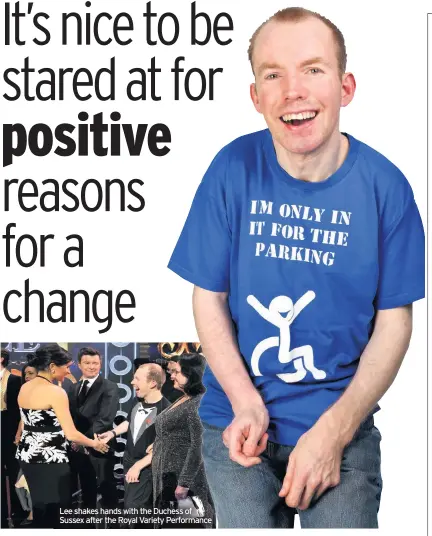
192,367
50,353
25,367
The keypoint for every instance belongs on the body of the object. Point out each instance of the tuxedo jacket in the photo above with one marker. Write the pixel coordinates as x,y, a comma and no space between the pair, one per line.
97,413
146,434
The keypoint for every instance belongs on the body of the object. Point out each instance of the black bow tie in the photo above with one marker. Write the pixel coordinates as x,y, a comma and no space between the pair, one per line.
145,410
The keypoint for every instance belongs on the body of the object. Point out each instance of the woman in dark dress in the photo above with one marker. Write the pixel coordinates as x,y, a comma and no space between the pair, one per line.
177,465
28,373
47,426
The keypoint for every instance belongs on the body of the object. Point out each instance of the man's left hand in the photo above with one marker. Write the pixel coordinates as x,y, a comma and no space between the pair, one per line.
313,467
133,474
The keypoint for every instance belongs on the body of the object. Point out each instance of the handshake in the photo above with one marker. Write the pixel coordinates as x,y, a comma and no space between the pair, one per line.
106,436
99,443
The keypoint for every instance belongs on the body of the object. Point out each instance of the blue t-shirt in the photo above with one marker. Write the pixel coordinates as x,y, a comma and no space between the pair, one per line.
306,266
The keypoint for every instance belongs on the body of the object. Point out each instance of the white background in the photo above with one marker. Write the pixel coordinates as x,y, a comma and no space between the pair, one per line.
387,54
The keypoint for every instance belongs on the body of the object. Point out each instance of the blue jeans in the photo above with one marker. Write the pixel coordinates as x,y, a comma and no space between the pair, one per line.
248,497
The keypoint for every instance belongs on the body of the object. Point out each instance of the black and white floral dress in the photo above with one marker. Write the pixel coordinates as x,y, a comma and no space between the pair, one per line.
42,440
44,462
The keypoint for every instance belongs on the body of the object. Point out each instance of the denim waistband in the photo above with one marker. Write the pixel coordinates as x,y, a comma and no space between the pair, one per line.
367,424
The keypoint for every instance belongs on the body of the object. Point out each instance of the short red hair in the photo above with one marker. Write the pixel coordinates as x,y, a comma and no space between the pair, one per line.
298,14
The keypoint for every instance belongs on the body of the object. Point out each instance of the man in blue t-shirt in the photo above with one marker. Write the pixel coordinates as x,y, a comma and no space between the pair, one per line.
306,250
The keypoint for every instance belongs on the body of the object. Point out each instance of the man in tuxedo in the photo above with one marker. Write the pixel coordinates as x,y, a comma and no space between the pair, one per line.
93,404
148,381
10,418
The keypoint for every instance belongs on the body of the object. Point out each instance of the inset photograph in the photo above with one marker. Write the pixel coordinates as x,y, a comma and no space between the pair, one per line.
103,435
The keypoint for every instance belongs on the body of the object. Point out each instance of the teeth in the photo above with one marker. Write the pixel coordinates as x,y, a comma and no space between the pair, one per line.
302,115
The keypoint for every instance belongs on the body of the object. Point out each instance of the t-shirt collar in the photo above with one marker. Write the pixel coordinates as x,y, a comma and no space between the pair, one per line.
338,175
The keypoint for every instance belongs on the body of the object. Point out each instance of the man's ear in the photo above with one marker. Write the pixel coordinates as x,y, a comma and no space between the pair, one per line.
254,96
348,89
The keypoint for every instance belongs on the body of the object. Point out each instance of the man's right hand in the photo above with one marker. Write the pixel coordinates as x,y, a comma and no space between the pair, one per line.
99,445
106,436
246,437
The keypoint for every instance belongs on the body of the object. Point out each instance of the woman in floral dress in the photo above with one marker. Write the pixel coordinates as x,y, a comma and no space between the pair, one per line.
47,427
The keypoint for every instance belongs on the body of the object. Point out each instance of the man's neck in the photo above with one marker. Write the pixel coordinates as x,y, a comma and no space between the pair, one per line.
318,165
152,397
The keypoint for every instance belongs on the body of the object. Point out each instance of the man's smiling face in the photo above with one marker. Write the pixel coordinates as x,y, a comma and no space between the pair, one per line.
298,87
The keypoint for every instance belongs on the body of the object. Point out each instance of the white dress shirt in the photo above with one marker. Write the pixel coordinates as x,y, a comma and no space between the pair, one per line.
140,416
90,383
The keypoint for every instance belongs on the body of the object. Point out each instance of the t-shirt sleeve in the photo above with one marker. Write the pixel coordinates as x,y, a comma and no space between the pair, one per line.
202,253
402,253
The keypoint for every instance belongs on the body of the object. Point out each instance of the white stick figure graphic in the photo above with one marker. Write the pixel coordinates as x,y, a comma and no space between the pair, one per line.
302,357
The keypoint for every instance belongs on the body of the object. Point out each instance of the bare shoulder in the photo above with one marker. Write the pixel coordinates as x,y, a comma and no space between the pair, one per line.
37,395
22,393
58,392
25,387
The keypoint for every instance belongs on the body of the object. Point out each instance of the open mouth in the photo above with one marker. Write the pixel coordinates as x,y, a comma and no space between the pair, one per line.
298,119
